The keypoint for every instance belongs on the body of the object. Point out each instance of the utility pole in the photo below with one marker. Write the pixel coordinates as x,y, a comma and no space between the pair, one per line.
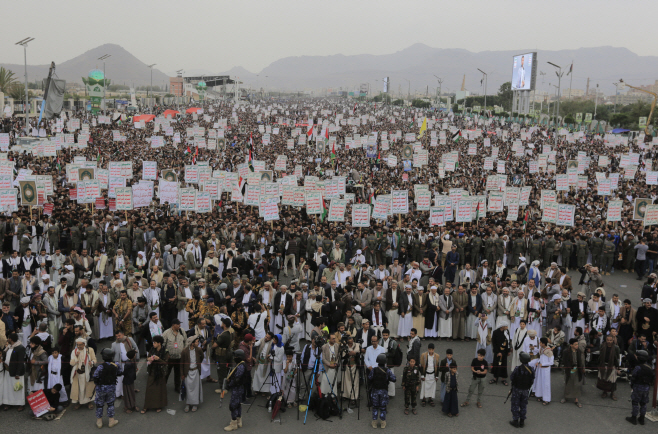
440,80
596,100
103,57
147,92
559,84
485,86
614,109
26,107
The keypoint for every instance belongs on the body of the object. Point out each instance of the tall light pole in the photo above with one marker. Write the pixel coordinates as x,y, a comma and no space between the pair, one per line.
596,99
103,57
408,89
151,66
559,84
486,76
614,109
440,80
26,108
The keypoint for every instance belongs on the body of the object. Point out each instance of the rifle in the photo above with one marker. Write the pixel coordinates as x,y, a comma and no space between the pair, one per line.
221,397
506,399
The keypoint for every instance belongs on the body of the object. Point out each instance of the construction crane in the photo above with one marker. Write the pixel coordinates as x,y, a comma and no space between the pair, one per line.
464,82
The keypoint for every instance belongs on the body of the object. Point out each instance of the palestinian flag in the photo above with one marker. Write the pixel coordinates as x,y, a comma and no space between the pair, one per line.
187,151
371,199
250,161
457,136
333,153
526,218
325,211
59,166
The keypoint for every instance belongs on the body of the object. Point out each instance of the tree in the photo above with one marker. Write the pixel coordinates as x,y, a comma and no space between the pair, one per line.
7,80
419,103
398,102
17,92
505,95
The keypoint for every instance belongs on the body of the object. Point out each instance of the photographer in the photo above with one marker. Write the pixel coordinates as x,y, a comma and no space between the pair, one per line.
350,354
330,360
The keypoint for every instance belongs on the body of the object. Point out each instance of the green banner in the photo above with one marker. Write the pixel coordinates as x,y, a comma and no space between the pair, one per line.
588,118
579,118
643,122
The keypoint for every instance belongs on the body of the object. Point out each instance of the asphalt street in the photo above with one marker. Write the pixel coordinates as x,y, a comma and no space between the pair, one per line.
596,416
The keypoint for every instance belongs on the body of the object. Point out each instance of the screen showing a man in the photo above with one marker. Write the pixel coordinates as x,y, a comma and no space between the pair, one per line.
522,72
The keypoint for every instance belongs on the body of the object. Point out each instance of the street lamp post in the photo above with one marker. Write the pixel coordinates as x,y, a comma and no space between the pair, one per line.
559,84
596,99
486,76
614,109
103,58
408,89
440,80
26,108
151,66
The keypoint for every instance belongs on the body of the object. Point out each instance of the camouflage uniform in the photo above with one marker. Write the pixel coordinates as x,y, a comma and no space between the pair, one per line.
379,396
410,381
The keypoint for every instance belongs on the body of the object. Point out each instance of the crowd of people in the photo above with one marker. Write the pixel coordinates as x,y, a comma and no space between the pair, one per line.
278,306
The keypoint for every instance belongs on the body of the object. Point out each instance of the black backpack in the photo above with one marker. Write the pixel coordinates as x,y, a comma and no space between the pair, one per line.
327,407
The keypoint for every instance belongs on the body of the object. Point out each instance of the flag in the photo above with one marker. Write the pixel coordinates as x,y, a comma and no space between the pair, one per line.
187,151
59,166
423,128
457,135
354,110
242,185
196,154
250,161
570,69
325,211
309,133
526,218
333,153
371,199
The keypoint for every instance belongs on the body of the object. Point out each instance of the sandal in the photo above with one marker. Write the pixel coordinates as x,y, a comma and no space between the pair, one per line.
493,381
431,403
187,409
479,405
158,410
545,403
413,410
464,404
540,400
579,405
562,401
128,411
423,404
505,383
91,406
76,407
406,411
144,411
194,408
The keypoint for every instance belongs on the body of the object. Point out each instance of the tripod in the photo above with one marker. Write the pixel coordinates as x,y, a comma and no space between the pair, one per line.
313,376
273,382
346,366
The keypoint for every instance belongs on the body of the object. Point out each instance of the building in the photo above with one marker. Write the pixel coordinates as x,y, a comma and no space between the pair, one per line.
650,88
176,86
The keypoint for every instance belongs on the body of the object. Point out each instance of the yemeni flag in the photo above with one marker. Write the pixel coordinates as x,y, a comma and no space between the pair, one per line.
526,218
309,133
196,154
242,185
325,211
250,161
457,136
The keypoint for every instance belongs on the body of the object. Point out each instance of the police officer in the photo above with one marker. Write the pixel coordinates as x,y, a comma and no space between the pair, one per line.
499,249
476,248
236,381
596,249
607,256
641,380
379,378
518,248
76,237
489,248
581,252
105,378
535,250
565,251
549,248
124,240
371,245
410,385
53,236
311,245
522,378
91,235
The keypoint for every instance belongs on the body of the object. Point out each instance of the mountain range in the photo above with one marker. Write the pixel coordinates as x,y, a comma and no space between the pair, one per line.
412,69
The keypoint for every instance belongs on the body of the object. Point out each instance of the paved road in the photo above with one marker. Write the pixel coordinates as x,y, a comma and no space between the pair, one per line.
597,415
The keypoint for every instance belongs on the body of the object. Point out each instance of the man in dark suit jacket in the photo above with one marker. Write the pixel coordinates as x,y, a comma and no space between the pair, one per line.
276,307
364,334
478,303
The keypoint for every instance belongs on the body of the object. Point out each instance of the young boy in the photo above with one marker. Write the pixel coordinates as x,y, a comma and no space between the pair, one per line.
129,375
410,385
55,373
53,395
450,401
480,368
444,369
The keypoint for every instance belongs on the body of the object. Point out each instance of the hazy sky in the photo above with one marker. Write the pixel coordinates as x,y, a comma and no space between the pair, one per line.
216,35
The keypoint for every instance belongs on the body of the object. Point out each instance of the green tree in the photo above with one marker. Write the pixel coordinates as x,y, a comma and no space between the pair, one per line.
505,95
419,103
398,102
7,80
17,92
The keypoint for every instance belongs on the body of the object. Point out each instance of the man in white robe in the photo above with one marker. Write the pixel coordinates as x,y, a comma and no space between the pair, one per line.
517,343
446,306
14,373
104,312
55,374
542,365
262,363
429,364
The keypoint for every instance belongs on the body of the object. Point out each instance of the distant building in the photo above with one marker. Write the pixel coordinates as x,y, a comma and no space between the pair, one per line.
176,86
650,88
